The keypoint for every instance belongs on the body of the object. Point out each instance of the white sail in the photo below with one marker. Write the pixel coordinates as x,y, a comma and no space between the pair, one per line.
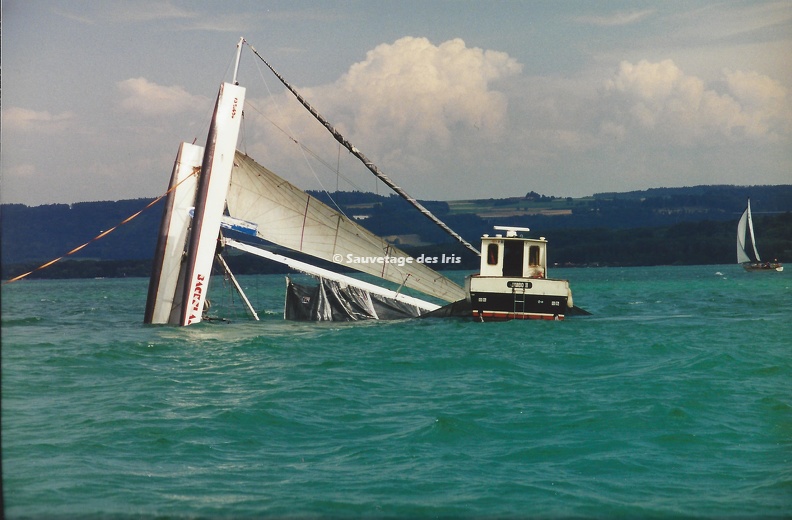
751,232
745,227
210,199
366,161
742,257
163,304
330,275
291,218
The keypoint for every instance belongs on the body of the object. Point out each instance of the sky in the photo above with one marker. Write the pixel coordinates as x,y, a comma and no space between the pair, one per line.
452,100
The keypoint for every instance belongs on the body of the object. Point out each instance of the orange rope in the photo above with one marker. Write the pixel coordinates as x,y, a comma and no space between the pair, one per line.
102,234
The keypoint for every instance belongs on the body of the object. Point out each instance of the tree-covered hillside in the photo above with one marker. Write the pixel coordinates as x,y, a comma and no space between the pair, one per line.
660,226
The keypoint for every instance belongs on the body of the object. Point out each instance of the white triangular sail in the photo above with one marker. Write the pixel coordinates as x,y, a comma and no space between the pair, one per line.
751,232
742,257
291,218
745,226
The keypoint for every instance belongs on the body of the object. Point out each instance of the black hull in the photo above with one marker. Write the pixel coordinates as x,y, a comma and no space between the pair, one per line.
763,266
489,306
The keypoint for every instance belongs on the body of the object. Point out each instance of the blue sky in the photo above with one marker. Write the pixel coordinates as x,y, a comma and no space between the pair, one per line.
451,99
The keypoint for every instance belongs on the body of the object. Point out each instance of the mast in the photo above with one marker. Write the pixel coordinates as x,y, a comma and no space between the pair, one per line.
366,161
238,56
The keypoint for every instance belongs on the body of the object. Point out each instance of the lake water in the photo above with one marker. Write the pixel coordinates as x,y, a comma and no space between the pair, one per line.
674,399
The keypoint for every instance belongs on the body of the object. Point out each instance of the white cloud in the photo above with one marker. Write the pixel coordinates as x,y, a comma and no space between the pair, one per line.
423,91
22,170
429,114
660,99
26,120
144,98
755,89
410,96
765,103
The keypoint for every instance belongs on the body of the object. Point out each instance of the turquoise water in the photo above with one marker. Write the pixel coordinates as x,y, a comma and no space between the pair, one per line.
673,400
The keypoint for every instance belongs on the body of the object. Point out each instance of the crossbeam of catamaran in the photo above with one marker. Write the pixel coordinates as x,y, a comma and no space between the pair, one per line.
330,275
365,160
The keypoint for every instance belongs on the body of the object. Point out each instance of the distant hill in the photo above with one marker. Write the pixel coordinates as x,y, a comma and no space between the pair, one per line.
656,226
49,231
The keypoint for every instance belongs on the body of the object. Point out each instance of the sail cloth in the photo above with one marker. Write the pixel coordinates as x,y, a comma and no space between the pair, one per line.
365,160
291,218
319,272
746,224
331,300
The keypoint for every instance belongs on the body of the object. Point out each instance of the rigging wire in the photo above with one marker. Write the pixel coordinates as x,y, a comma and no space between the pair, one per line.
100,235
306,150
290,134
206,120
105,233
365,160
383,244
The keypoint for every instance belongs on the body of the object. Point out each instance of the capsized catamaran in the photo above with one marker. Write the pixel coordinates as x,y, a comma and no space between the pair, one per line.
748,256
233,192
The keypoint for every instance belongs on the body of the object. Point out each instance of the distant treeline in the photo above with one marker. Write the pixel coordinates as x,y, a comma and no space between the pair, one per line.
654,227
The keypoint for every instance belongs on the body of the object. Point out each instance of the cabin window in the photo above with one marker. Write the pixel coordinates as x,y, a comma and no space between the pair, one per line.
533,256
513,251
492,254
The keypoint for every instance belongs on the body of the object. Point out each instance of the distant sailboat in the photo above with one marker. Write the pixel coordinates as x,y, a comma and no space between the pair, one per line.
748,256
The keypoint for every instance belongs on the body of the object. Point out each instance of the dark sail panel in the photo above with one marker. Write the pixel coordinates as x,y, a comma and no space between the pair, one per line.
332,301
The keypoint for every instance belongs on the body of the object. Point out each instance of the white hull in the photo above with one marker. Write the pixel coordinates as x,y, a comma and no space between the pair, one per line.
164,304
210,200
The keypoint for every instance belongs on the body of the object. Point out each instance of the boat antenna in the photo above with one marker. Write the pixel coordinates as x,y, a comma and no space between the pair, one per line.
238,56
365,160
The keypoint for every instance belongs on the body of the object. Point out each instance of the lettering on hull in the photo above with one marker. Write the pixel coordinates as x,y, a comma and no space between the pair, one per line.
196,303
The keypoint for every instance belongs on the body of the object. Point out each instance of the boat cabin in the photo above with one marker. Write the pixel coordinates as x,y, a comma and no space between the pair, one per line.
513,283
512,255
